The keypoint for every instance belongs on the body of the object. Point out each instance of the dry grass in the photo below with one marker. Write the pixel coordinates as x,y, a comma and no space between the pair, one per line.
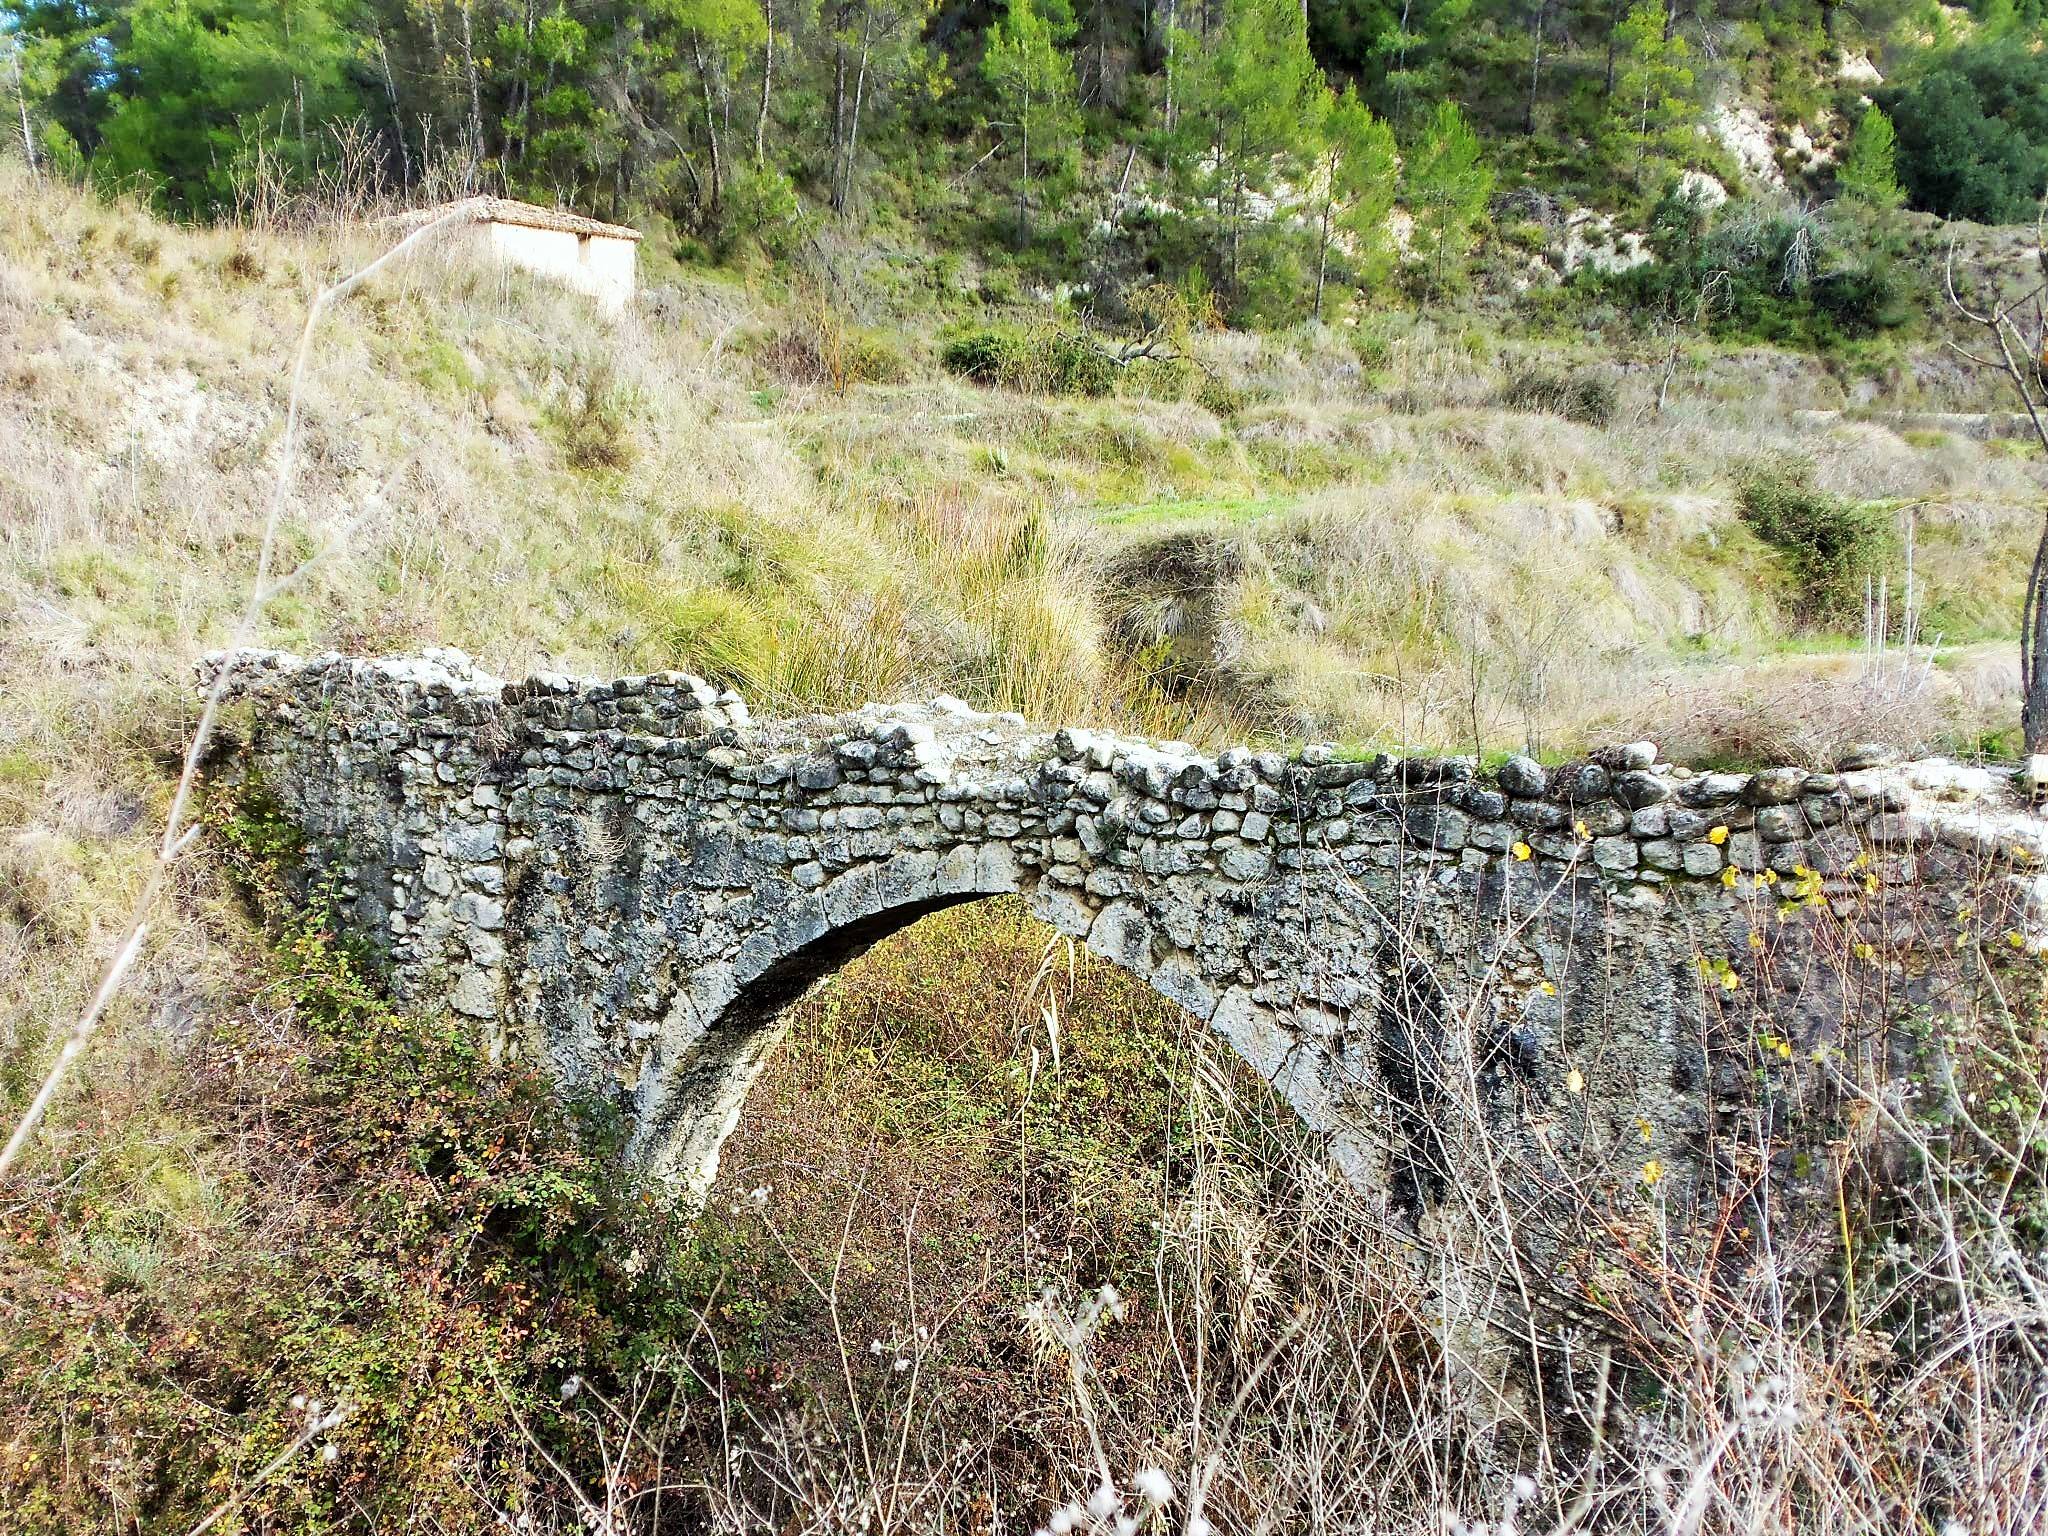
947,1300
492,465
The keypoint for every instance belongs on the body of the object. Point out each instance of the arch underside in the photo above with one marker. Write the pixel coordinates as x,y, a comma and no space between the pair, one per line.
697,1102
701,1101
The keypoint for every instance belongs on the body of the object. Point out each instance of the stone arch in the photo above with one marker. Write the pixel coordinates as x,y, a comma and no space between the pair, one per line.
720,1033
725,1022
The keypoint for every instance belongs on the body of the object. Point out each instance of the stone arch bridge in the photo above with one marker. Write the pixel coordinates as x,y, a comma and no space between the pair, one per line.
629,879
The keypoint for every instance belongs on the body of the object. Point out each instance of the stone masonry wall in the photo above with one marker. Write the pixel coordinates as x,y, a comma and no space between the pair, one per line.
628,879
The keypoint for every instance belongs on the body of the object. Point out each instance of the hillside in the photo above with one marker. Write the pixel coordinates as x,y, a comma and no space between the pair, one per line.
268,1186
793,497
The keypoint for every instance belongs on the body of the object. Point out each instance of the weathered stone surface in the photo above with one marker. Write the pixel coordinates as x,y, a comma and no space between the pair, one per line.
1866,755
1637,789
628,880
1523,776
1614,853
1780,824
1581,781
1776,786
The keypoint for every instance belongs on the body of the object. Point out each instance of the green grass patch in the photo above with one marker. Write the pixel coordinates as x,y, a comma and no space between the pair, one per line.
1174,512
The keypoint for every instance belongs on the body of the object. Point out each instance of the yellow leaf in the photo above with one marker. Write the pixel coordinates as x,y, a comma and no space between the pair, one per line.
1718,836
1580,828
1575,1081
1652,1171
1521,850
1729,877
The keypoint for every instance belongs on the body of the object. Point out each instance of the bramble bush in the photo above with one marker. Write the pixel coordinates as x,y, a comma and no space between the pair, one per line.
1831,546
1053,360
1582,397
387,1227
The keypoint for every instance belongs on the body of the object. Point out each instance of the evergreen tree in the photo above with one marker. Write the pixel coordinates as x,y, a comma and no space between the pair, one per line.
1656,110
1869,174
1972,127
1033,83
197,84
1248,110
1447,185
552,117
875,47
1359,167
1413,53
699,43
66,67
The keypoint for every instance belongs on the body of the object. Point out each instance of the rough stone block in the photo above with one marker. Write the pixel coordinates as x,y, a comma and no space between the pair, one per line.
1780,824
1244,864
1662,853
1614,853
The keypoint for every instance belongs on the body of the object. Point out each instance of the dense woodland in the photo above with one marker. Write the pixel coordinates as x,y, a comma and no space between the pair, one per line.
1272,157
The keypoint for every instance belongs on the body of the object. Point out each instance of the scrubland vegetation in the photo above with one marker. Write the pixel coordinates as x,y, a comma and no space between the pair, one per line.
1005,1242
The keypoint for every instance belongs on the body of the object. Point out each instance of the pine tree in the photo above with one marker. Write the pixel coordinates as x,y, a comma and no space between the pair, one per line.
1412,53
1248,111
1656,109
1869,175
1359,166
703,39
1447,186
197,86
1033,83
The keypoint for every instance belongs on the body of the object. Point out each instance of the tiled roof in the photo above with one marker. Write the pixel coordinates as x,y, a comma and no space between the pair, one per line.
505,210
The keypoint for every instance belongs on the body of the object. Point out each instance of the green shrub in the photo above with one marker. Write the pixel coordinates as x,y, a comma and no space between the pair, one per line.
1069,363
820,350
433,1241
985,354
1831,546
1159,378
1054,361
761,205
1582,397
594,420
1219,396
866,358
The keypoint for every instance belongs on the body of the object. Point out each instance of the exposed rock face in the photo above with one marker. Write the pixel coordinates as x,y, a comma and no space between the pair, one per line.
629,879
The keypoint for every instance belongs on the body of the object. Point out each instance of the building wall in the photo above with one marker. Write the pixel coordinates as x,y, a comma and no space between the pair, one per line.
598,265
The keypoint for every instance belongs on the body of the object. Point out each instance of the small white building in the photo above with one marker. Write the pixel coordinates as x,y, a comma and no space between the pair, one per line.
588,255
